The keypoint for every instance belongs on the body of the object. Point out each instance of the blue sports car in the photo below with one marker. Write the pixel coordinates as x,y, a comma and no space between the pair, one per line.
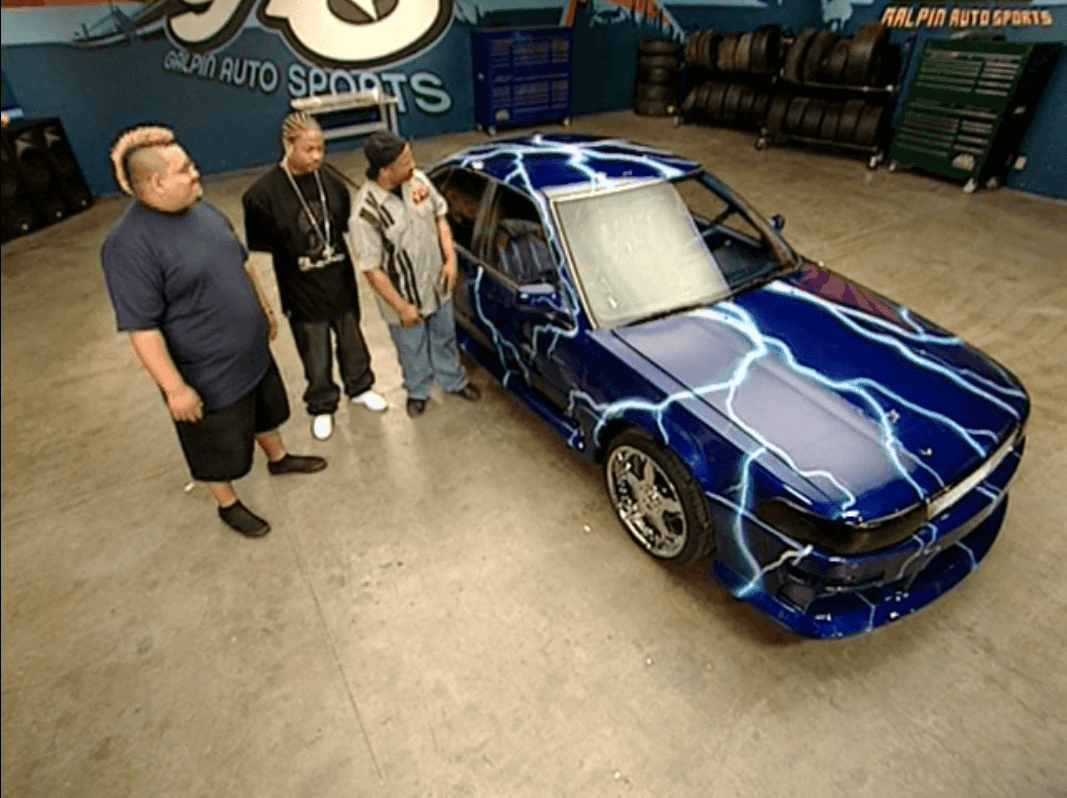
841,460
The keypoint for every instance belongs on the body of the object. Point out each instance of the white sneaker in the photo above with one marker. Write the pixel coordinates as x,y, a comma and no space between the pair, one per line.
372,401
322,427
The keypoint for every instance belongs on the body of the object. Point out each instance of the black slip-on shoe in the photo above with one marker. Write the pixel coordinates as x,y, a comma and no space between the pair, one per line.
240,519
296,464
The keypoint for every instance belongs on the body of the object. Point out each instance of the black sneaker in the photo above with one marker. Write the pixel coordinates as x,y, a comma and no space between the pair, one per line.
469,392
416,407
296,464
240,519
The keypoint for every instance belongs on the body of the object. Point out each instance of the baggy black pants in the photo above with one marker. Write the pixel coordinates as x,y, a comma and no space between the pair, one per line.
316,352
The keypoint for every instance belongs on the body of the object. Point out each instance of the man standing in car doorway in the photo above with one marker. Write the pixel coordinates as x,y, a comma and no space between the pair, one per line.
298,213
403,246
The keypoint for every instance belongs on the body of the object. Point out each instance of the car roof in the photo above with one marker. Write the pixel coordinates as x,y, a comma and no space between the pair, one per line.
542,162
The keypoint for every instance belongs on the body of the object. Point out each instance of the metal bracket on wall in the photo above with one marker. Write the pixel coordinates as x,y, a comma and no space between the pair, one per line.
349,114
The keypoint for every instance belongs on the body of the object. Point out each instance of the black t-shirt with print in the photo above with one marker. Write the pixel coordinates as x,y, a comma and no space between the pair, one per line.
276,221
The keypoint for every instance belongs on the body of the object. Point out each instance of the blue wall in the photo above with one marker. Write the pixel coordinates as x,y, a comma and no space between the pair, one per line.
97,91
792,16
7,96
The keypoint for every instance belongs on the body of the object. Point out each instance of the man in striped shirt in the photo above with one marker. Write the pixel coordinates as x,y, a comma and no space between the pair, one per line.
403,245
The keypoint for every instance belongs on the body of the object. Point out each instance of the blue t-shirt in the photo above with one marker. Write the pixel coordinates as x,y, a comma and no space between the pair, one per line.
183,273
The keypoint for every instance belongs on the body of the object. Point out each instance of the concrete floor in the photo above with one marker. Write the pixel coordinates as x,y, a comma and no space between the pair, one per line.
451,609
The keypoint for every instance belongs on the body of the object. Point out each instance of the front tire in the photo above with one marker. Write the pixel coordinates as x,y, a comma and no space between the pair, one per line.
657,500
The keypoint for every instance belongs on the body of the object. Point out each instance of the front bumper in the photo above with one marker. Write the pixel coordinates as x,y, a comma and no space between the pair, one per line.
818,594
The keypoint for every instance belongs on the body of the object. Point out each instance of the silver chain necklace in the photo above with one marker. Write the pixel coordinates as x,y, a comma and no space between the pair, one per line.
328,254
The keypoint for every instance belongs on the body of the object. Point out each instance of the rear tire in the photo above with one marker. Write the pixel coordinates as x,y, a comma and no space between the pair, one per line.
658,502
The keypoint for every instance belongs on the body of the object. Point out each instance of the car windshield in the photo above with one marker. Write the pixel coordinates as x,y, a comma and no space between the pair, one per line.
652,249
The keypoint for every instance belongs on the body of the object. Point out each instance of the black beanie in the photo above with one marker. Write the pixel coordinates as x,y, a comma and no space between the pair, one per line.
382,147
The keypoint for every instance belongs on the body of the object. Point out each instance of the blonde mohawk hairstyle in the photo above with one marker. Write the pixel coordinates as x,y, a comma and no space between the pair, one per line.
296,123
129,142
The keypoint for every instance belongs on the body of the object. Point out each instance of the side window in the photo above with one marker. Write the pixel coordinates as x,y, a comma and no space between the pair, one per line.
517,244
463,191
734,242
708,207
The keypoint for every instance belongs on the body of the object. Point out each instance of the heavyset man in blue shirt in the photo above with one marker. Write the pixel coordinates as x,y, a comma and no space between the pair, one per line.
197,321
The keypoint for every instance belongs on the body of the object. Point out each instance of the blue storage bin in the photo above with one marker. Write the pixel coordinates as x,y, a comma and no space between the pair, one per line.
522,76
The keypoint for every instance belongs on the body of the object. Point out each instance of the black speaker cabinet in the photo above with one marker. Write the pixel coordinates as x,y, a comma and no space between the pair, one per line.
17,214
40,175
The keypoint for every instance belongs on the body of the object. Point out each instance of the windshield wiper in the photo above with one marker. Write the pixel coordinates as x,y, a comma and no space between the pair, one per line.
662,314
766,277
759,279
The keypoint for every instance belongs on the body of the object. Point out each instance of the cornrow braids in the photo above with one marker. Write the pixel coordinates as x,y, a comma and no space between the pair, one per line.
129,142
295,123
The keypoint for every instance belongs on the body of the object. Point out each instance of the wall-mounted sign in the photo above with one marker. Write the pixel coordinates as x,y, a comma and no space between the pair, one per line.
425,88
343,33
950,16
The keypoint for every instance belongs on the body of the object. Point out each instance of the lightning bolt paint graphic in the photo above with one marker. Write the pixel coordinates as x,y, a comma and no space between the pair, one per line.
902,339
895,343
576,157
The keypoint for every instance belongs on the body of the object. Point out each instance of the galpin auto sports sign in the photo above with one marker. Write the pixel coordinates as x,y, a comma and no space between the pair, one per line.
1017,15
341,33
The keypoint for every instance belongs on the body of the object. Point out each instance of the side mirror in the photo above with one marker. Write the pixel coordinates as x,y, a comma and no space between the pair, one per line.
777,222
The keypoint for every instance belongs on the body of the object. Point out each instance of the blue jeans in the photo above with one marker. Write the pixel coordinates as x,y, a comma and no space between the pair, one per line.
429,351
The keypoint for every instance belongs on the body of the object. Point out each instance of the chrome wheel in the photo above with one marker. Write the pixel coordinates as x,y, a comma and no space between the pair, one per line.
647,502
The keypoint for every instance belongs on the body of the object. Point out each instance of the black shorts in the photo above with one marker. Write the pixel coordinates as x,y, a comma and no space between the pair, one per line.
219,447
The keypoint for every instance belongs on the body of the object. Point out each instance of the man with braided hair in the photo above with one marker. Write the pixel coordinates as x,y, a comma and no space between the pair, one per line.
297,213
197,320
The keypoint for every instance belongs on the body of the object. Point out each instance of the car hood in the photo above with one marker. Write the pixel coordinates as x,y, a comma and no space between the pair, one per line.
875,407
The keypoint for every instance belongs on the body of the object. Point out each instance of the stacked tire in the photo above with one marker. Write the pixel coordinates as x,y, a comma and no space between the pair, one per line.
823,57
732,80
735,103
658,80
756,53
739,64
842,121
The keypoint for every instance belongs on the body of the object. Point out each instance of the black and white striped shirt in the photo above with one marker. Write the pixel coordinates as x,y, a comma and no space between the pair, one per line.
399,237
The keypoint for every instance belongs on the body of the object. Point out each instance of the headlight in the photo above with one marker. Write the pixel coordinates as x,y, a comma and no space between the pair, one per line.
839,536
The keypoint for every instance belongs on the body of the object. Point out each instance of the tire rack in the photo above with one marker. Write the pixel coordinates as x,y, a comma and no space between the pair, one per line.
829,95
729,77
859,108
838,93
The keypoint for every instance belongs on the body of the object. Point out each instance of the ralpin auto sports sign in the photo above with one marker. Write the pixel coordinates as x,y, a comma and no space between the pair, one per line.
332,33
